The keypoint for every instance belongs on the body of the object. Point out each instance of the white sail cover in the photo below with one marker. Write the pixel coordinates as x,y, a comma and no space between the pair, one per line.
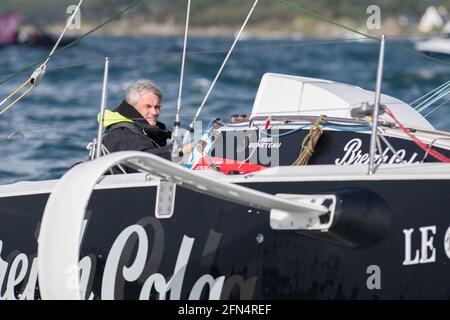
286,95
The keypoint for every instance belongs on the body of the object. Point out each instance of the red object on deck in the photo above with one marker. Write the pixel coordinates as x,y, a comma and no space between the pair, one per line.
435,154
228,166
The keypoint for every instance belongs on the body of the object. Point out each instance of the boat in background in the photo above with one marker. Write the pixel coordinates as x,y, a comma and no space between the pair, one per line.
9,26
439,46
12,33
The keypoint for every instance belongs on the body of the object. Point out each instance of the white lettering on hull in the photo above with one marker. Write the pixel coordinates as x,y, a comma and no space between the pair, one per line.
354,155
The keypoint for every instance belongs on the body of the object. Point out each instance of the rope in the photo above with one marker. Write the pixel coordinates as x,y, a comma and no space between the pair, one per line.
436,109
434,98
3,111
310,142
435,154
328,20
183,60
429,93
15,91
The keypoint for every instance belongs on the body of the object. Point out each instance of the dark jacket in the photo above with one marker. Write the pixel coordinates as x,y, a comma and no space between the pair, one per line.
126,130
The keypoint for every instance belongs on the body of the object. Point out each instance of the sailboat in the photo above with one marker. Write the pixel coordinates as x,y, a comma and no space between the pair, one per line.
437,45
325,191
11,33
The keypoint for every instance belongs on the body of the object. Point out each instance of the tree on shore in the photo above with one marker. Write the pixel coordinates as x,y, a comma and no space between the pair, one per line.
212,13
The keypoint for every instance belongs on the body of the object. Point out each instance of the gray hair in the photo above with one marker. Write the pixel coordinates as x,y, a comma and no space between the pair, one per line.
140,87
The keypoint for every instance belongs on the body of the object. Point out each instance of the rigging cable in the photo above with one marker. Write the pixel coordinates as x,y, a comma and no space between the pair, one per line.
177,137
200,52
62,34
433,99
74,42
191,126
39,73
328,20
426,95
183,61
436,109
12,94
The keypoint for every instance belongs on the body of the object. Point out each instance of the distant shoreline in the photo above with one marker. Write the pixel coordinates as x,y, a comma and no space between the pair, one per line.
318,30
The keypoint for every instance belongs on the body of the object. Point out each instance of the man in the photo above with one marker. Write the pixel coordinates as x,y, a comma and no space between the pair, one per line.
134,124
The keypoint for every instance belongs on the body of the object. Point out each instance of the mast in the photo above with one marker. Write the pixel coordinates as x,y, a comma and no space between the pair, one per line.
376,109
177,138
98,149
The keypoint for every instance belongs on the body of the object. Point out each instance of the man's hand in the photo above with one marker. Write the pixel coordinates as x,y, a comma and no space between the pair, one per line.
187,148
200,145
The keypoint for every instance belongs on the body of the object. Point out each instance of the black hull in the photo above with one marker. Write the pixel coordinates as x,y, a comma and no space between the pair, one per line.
235,245
333,147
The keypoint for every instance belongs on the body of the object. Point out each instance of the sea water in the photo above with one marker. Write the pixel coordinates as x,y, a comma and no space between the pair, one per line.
47,131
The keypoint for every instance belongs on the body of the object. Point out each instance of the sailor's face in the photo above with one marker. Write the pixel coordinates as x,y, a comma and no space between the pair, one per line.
149,107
